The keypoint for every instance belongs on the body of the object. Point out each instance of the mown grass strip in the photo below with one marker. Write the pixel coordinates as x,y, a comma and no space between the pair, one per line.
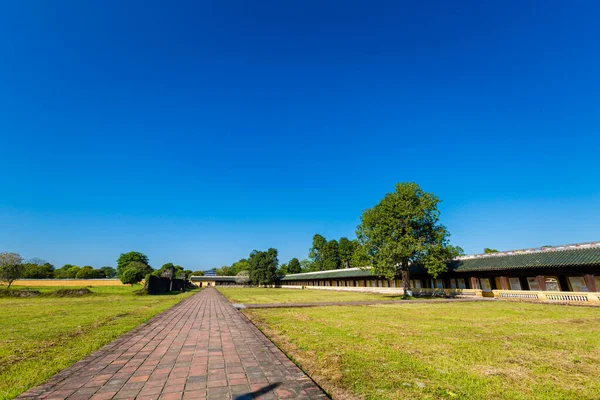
487,350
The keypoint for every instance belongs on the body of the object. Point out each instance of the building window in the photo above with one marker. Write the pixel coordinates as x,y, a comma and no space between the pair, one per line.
452,283
439,284
515,283
532,282
486,285
597,279
577,284
552,284
461,283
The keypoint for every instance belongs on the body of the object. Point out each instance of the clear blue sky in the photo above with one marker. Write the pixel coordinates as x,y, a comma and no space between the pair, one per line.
196,132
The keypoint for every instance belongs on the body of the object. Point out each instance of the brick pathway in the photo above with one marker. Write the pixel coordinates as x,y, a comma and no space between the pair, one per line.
202,348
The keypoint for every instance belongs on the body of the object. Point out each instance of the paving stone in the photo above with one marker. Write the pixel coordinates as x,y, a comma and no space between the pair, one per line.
202,345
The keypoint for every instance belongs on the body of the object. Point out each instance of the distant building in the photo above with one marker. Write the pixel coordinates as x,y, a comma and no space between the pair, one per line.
204,281
519,274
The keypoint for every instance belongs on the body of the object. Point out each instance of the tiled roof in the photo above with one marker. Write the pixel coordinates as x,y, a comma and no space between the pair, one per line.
581,257
555,258
335,273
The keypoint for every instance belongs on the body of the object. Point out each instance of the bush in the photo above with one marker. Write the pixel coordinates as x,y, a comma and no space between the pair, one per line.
132,275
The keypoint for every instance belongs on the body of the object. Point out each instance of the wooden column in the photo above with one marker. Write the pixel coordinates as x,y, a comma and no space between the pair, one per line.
504,283
473,281
590,282
542,282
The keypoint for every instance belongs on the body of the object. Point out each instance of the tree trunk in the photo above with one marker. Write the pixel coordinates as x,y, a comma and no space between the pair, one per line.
406,279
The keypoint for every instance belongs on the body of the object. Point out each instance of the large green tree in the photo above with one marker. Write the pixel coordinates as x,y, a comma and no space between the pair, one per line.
316,252
134,272
89,272
109,272
127,258
11,267
71,273
263,266
36,271
294,267
402,229
330,255
61,273
346,250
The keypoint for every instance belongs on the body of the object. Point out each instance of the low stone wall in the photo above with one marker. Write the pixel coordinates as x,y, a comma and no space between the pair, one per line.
68,282
561,297
392,290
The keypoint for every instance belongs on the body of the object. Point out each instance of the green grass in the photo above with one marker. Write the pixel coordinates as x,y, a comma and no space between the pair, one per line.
483,350
276,295
39,336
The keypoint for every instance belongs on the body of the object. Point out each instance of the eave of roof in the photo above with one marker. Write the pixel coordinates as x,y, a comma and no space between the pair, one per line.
556,258
572,258
213,278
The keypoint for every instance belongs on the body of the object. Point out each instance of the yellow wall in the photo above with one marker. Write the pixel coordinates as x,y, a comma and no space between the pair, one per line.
68,282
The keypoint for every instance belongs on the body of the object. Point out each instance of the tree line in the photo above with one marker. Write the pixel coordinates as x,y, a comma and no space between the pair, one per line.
400,231
131,268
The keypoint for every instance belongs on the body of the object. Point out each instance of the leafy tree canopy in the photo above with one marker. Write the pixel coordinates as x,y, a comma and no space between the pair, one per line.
133,256
242,278
403,229
71,273
109,272
294,267
36,271
134,273
263,266
330,255
88,272
316,252
487,250
11,267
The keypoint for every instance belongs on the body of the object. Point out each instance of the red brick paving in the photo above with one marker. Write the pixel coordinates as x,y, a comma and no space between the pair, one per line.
202,348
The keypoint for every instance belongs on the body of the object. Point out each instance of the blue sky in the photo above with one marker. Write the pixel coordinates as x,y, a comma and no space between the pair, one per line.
198,131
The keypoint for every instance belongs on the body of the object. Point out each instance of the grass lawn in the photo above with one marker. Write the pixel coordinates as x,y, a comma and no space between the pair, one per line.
276,295
39,336
483,350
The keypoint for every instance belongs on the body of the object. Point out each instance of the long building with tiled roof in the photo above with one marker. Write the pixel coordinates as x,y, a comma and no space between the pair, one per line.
568,268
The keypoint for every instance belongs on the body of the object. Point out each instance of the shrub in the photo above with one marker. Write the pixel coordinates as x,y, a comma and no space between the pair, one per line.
133,274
